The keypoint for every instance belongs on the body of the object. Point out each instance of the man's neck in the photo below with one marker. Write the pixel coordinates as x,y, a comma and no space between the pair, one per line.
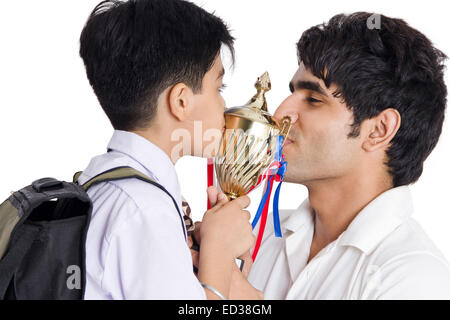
337,202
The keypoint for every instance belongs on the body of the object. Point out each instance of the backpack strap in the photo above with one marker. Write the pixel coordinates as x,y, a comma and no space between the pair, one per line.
76,176
125,172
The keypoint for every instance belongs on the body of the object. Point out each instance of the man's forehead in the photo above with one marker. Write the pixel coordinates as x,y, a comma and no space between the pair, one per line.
304,74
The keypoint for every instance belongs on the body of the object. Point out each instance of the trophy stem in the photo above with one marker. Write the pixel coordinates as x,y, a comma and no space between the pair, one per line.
231,196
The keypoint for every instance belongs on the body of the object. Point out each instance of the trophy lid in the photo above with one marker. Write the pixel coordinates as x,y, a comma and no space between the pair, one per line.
256,108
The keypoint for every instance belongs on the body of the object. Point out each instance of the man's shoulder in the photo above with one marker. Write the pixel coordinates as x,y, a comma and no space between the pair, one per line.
407,264
407,240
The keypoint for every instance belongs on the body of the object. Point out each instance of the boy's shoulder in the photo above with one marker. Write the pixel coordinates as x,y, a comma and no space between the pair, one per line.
122,199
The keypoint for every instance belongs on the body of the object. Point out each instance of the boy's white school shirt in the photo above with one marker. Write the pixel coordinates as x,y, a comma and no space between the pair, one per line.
135,246
383,254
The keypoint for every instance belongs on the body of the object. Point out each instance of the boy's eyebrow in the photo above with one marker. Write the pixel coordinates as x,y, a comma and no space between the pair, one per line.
221,73
307,85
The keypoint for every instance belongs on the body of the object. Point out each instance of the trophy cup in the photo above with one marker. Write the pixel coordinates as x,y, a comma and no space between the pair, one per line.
249,143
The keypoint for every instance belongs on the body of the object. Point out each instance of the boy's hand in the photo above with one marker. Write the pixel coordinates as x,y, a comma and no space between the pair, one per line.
248,262
226,226
241,289
213,196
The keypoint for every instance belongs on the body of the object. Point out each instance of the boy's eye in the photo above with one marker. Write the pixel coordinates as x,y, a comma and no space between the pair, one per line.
222,87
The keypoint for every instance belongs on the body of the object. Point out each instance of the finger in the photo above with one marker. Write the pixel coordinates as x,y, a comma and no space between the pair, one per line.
212,193
243,202
246,214
222,199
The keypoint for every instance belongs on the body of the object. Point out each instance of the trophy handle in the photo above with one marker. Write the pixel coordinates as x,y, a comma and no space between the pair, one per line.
285,127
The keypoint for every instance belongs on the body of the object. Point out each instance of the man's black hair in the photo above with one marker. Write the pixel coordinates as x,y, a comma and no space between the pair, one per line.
134,50
377,67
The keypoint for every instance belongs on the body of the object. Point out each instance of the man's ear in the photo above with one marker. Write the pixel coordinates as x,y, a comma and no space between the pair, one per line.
382,129
180,98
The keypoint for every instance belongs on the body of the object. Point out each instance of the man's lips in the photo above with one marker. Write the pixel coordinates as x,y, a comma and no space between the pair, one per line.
288,141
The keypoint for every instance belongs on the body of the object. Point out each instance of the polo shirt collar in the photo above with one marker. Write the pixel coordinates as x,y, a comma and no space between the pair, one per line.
303,215
378,219
154,160
372,224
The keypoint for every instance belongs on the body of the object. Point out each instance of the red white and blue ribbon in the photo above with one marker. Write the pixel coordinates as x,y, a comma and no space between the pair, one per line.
275,172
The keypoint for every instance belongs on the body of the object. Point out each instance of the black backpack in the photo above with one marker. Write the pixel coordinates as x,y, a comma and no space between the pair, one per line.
43,231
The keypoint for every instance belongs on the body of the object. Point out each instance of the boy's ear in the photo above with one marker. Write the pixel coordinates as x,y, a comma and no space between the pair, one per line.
383,129
180,98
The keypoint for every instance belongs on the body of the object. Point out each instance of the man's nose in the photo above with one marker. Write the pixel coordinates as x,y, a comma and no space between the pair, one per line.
286,110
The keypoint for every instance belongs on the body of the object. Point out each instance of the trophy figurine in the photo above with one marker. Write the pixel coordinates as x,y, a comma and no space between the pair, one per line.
249,143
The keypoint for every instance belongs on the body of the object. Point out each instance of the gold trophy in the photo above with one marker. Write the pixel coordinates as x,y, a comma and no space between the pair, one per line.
249,142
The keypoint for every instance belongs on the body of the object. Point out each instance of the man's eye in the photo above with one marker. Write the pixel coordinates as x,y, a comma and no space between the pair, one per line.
312,100
222,87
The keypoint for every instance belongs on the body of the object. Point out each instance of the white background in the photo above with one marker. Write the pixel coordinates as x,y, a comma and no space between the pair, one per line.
51,123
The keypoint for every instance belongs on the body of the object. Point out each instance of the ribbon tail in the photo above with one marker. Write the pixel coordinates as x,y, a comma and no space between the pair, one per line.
261,206
263,220
276,213
210,177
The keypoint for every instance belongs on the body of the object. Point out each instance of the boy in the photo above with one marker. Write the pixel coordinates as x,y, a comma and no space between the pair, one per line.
156,69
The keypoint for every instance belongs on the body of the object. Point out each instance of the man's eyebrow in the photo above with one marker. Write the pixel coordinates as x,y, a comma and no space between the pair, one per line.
221,73
307,85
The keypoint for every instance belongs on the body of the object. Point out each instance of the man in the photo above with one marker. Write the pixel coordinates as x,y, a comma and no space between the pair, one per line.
156,69
367,107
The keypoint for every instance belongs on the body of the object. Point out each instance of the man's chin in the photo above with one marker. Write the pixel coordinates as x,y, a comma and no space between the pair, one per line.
303,182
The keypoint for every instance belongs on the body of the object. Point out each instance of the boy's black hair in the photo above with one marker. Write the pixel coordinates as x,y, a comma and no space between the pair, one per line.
377,67
134,50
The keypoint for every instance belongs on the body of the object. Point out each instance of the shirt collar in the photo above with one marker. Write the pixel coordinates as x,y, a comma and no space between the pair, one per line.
378,219
303,215
372,224
154,160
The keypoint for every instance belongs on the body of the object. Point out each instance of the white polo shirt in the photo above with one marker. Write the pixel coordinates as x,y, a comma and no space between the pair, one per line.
383,254
136,247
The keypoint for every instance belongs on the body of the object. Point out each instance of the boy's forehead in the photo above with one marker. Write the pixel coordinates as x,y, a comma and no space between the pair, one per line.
218,64
216,70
